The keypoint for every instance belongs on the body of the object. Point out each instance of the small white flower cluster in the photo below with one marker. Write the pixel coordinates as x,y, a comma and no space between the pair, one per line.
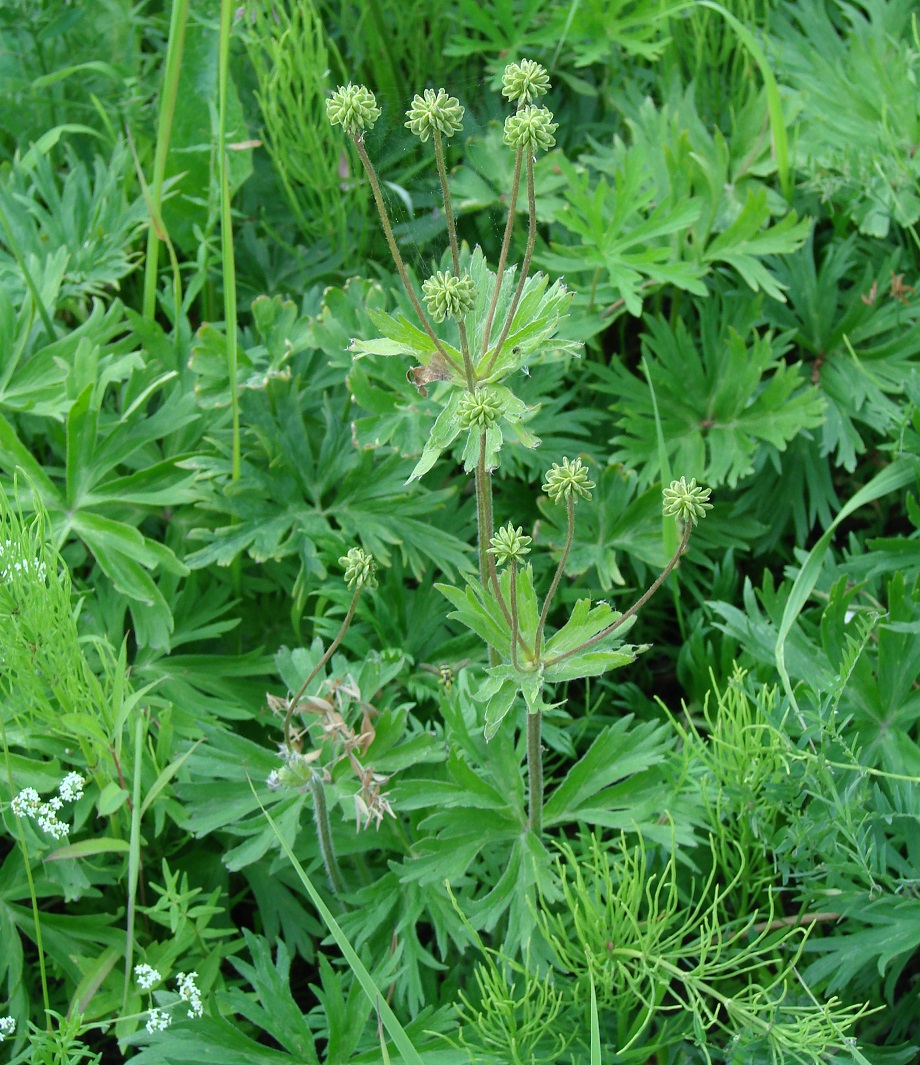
158,1020
11,561
146,976
7,1027
71,787
28,803
188,992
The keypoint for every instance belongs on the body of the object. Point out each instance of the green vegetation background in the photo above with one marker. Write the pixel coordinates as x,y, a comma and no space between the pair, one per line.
730,862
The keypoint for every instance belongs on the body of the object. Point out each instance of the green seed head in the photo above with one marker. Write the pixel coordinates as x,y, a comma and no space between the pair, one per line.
524,82
448,296
686,502
567,482
509,545
479,409
531,128
435,113
352,107
359,568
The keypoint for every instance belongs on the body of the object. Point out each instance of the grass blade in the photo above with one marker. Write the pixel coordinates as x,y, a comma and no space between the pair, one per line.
377,999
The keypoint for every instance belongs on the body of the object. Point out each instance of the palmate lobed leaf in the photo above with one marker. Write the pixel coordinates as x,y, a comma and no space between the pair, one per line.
719,399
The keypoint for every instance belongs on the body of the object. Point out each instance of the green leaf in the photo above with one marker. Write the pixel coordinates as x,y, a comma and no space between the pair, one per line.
86,848
620,750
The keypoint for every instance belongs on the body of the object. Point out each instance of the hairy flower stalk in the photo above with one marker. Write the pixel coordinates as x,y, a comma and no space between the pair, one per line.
521,83
359,574
509,548
355,110
688,503
324,834
437,115
360,570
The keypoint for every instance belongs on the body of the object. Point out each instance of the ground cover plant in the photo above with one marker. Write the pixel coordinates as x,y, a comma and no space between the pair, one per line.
459,532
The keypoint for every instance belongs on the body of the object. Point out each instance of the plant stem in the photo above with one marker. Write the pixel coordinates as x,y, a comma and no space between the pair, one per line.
483,486
394,250
613,626
481,521
227,8
134,848
168,95
506,244
324,834
454,252
560,569
535,772
330,651
525,265
514,615
448,209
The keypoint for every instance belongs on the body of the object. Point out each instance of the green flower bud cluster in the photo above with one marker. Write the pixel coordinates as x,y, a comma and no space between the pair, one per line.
435,113
448,296
359,568
479,409
531,128
523,82
353,107
686,502
568,482
509,545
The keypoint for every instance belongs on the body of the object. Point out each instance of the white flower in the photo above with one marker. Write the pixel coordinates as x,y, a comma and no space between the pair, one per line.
157,1020
71,787
188,992
11,561
48,820
7,1027
273,780
146,976
26,803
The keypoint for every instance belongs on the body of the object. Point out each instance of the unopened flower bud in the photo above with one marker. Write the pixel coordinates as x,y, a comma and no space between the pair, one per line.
509,545
359,568
531,128
448,296
479,409
567,482
686,501
524,82
353,107
435,113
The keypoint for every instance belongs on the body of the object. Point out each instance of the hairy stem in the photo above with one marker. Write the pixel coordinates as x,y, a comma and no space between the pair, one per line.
613,626
324,834
514,615
525,265
448,209
330,651
535,772
394,249
506,244
483,522
454,252
560,569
